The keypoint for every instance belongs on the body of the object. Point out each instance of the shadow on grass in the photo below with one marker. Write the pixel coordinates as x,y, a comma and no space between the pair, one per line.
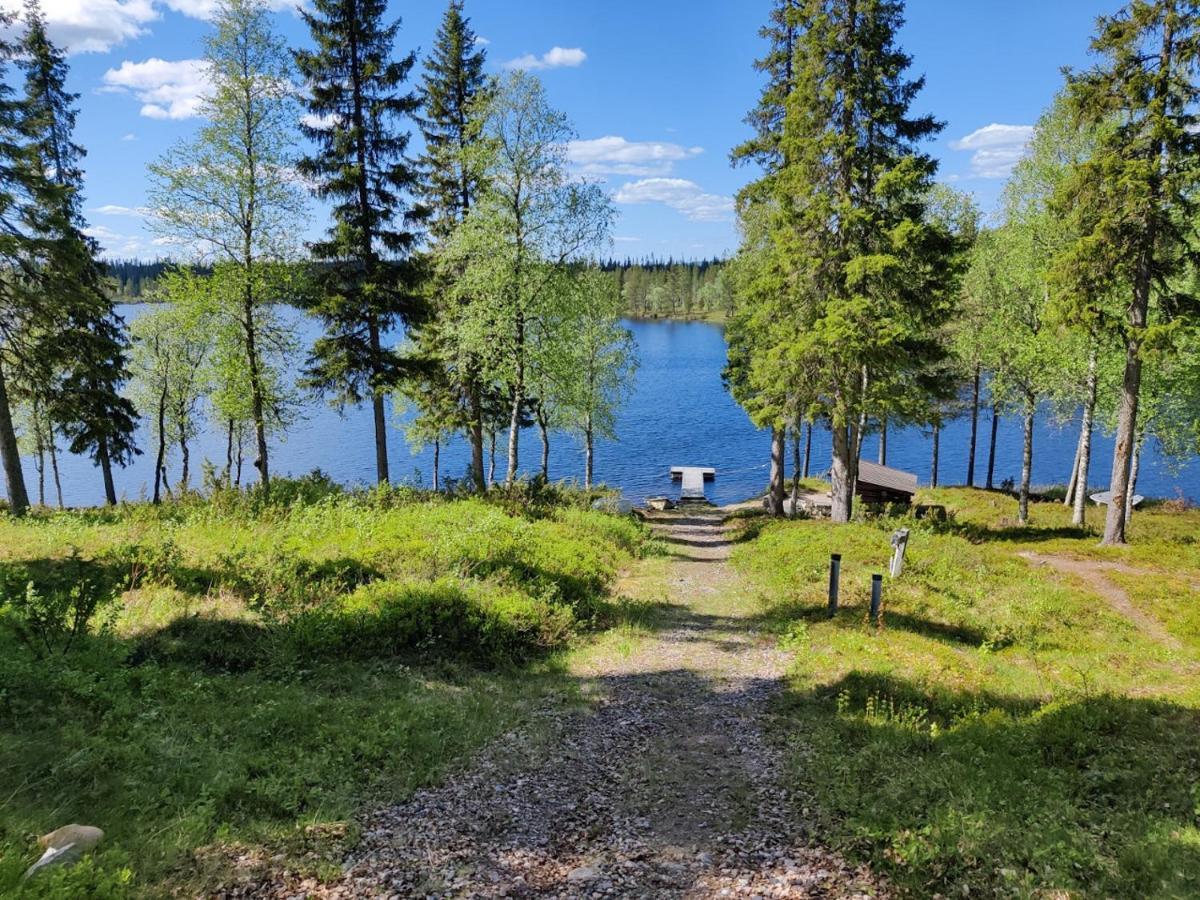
780,615
973,792
976,533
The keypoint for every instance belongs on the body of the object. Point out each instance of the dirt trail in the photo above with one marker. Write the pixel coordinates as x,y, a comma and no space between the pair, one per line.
668,788
1091,572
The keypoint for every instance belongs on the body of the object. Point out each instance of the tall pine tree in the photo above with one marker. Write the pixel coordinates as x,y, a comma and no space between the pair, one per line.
24,313
452,92
90,344
1132,203
849,282
754,269
364,279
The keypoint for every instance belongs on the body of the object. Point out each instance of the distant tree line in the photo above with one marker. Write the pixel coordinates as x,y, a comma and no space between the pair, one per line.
135,279
671,289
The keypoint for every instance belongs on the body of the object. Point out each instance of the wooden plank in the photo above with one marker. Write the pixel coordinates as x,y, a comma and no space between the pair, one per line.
693,478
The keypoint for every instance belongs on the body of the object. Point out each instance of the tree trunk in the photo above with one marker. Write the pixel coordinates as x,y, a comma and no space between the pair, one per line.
1114,524
476,437
588,452
544,429
1026,463
807,447
229,455
1069,494
843,472
518,399
796,467
159,470
110,489
40,457
991,470
437,462
184,476
240,458
1133,477
974,429
54,465
377,408
10,455
883,428
937,441
1079,513
778,442
491,475
257,400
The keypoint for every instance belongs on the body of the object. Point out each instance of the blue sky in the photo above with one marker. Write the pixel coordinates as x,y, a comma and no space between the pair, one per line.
657,90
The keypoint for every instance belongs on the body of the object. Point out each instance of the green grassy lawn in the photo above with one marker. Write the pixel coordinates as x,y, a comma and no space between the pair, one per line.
268,669
1008,731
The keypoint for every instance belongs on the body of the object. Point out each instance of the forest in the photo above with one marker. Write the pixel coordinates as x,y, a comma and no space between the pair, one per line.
253,684
868,294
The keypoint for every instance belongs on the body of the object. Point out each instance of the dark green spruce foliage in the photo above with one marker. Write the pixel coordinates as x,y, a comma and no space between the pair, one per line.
364,277
453,87
89,345
1133,201
24,312
845,281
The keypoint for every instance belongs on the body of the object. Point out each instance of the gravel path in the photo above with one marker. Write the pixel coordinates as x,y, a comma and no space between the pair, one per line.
669,787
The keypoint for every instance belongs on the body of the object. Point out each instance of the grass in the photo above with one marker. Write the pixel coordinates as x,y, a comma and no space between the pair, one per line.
267,669
1006,732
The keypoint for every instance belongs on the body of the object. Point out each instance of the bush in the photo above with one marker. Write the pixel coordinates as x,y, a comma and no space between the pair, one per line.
49,617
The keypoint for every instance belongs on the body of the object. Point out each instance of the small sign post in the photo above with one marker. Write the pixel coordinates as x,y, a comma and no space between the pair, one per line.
900,543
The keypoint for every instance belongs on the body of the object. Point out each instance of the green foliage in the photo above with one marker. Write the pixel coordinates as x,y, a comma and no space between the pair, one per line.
365,282
277,661
230,190
1006,732
49,618
843,281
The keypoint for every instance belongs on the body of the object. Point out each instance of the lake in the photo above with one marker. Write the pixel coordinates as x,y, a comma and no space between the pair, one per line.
679,414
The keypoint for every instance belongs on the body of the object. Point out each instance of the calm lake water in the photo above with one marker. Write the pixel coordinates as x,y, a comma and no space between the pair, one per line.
680,414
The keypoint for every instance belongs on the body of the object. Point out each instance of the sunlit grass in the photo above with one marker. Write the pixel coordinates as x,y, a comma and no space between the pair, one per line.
1006,731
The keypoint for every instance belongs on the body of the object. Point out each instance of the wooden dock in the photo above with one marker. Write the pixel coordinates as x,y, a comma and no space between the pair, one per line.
693,478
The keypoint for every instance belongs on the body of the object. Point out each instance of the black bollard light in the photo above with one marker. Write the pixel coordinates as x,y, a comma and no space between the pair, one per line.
876,597
835,573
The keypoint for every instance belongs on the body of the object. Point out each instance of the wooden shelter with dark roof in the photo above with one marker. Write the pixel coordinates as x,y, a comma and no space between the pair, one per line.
881,484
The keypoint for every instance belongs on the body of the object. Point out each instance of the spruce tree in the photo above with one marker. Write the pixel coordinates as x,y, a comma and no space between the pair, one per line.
24,190
452,92
364,277
1132,203
90,339
849,283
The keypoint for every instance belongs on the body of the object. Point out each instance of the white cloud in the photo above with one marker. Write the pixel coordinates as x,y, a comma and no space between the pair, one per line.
96,26
206,9
681,195
92,26
321,123
554,58
481,41
626,239
114,209
995,148
113,243
168,89
612,155
129,137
